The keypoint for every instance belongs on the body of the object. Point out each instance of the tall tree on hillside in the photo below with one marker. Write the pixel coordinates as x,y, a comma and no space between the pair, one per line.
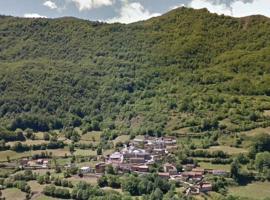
235,170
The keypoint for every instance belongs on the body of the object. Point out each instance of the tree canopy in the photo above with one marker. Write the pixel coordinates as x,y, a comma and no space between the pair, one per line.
187,68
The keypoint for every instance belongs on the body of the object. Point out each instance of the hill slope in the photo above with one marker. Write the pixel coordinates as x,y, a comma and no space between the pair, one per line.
187,68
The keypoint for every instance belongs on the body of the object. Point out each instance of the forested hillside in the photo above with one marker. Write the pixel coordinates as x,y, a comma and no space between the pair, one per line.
187,68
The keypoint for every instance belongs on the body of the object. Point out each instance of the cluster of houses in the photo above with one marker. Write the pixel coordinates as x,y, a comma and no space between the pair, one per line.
137,156
140,154
193,177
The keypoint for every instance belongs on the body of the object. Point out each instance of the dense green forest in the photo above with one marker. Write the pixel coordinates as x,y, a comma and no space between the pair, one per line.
187,68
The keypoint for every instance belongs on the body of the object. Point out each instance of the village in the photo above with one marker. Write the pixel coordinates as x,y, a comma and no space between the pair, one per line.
142,157
137,157
140,154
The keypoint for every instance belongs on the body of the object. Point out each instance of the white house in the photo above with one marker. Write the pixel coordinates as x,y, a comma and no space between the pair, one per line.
85,170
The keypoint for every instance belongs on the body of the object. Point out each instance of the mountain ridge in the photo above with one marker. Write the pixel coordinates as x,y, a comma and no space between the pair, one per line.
187,68
165,14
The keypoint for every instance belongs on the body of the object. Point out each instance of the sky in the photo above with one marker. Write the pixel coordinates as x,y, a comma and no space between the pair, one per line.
126,11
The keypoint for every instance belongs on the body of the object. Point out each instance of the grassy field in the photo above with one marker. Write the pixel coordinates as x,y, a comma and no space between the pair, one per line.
90,180
107,152
196,141
39,135
257,190
36,187
30,142
226,140
4,172
85,152
227,122
15,155
228,149
55,152
109,188
208,165
93,136
43,197
121,138
12,155
256,131
63,161
182,131
185,140
87,142
140,137
13,193
266,113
